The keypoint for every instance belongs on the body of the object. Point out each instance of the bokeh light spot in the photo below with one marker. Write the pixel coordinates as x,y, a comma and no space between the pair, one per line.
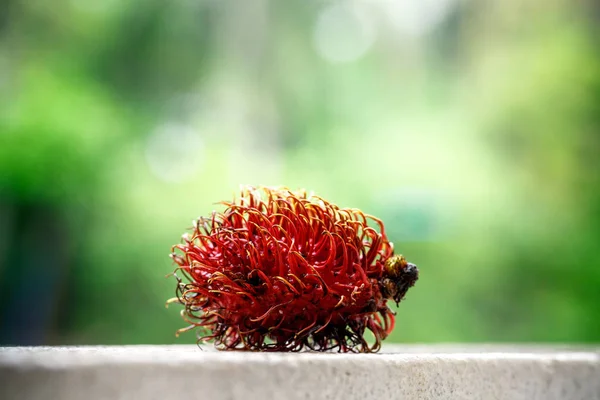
343,33
174,153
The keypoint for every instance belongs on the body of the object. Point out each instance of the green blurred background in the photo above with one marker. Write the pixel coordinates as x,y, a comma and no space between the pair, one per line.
470,127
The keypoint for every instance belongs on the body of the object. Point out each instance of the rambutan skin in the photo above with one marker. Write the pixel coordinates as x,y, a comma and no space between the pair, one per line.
281,270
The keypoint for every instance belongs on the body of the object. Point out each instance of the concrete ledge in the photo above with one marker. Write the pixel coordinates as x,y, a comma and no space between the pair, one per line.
403,372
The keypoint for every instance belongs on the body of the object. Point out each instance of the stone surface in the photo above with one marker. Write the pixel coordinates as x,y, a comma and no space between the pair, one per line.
398,372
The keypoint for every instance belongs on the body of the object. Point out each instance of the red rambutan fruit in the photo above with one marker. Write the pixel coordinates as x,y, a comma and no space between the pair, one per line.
281,270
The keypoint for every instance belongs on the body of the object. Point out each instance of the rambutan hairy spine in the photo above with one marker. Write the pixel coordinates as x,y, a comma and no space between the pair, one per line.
279,270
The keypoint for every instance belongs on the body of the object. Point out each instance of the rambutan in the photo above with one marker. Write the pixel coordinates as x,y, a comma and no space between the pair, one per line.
282,271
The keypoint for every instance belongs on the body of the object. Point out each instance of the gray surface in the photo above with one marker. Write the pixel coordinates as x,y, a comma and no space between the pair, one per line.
407,372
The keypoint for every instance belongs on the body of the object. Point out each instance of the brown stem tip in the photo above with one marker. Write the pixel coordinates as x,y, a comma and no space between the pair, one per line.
398,276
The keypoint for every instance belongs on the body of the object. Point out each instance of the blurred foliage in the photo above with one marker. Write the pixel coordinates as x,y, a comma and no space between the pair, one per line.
469,127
